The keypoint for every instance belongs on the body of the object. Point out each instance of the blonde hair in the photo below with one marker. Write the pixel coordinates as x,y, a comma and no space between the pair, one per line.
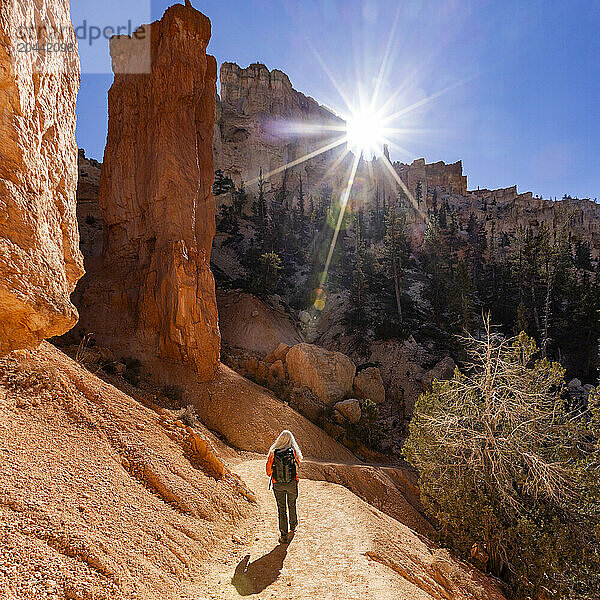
287,440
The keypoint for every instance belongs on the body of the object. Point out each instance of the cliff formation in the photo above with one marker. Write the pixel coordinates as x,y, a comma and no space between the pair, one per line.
40,261
257,127
262,122
151,294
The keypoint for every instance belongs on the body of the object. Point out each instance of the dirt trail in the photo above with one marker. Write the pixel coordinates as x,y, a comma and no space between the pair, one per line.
326,559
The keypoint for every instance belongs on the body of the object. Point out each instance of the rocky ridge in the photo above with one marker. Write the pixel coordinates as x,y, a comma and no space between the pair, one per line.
254,100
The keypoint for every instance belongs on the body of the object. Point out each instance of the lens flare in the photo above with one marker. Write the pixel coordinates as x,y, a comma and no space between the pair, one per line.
365,133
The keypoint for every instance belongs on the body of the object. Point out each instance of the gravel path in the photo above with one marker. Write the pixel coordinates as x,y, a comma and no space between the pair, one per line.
327,558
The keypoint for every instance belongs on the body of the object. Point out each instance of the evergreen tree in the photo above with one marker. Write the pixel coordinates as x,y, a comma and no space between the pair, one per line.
222,183
359,288
240,199
301,207
269,267
419,192
395,254
259,207
503,463
461,298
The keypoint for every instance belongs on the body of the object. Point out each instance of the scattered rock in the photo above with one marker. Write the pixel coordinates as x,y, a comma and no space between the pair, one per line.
120,368
401,371
368,384
329,375
338,417
277,370
263,370
575,384
350,409
337,432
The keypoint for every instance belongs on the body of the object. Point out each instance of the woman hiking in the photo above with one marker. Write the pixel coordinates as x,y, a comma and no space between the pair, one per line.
284,457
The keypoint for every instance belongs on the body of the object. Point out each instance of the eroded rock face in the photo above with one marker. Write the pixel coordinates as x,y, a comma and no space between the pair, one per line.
329,375
401,370
261,124
249,323
153,294
40,261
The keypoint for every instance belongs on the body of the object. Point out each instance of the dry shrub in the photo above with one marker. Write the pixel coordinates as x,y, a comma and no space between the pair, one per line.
505,464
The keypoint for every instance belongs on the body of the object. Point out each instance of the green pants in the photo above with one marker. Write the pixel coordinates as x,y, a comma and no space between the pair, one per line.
286,493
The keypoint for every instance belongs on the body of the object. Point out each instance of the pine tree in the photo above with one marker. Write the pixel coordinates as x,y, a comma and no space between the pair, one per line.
269,267
259,207
359,290
461,298
419,192
301,207
240,199
395,252
222,183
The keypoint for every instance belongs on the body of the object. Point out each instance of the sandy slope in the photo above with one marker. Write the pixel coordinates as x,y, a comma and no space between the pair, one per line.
101,497
107,497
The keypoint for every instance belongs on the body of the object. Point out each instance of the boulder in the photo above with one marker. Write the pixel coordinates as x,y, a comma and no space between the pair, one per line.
350,410
40,261
329,375
263,371
575,384
442,371
368,384
152,295
279,353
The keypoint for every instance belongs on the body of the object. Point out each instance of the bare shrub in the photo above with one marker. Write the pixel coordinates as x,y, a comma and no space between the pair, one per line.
504,464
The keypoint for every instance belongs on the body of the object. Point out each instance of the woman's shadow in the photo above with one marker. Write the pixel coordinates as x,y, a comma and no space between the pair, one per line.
253,577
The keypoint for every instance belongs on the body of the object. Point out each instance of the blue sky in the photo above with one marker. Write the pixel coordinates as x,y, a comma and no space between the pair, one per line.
516,84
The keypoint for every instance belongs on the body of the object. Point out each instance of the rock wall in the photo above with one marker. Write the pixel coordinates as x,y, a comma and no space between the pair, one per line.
508,210
258,125
152,294
40,261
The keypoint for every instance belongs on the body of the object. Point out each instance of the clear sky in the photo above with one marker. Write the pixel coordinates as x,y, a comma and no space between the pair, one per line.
515,84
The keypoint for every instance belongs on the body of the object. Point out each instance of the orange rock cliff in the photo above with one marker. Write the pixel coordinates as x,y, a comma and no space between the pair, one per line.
40,261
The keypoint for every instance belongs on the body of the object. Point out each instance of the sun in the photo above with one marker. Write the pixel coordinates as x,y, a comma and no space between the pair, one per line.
365,134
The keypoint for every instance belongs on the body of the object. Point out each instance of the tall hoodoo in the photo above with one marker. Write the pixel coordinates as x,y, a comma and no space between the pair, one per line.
40,261
155,294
